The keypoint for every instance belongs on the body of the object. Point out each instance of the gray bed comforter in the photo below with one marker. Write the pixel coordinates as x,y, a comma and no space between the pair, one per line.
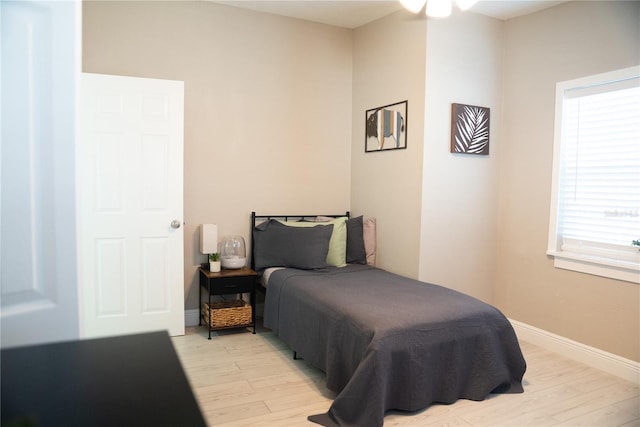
389,342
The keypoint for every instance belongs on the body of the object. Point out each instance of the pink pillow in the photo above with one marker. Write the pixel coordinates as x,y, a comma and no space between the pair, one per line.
369,235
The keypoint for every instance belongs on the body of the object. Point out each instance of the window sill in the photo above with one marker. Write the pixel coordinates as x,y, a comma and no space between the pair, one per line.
627,271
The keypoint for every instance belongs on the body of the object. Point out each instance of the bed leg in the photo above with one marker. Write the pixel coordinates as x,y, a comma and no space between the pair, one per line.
295,355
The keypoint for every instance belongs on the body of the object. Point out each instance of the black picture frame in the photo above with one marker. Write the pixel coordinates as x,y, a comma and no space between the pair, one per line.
470,129
386,127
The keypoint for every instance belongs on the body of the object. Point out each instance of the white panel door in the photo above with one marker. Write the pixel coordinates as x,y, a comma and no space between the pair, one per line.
40,57
131,197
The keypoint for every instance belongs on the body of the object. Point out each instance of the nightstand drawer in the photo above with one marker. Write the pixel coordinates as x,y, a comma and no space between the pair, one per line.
233,285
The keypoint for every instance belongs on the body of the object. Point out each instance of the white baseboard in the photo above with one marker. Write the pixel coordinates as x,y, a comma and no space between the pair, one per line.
191,317
608,362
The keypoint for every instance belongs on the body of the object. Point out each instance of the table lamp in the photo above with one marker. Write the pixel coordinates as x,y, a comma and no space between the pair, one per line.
209,244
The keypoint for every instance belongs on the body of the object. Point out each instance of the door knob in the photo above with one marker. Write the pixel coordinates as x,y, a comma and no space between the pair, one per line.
175,224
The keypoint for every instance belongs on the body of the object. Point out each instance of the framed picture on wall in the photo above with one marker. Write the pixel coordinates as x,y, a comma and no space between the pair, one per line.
469,129
386,127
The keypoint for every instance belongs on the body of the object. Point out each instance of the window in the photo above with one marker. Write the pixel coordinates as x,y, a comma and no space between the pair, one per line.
595,198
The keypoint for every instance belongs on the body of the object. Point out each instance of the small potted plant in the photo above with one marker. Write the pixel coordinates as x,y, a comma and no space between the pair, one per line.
214,262
636,243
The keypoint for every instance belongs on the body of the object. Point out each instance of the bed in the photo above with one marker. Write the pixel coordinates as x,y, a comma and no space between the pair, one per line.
384,341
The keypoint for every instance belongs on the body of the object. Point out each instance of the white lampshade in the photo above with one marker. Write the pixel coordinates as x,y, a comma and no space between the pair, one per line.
413,6
208,238
436,8
439,8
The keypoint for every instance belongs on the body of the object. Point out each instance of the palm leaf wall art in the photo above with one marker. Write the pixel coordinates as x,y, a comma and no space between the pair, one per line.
469,129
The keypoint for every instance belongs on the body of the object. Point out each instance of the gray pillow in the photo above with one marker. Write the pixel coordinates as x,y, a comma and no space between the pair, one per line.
356,253
276,245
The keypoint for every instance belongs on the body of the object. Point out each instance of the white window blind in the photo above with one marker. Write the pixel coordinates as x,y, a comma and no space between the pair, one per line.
595,211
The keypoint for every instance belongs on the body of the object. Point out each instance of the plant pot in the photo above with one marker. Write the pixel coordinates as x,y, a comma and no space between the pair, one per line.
214,266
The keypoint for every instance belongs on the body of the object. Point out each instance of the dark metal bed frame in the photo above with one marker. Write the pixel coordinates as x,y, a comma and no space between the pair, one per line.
255,218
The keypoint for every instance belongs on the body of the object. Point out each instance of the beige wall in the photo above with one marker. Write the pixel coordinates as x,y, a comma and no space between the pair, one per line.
388,67
460,191
267,106
561,43
279,105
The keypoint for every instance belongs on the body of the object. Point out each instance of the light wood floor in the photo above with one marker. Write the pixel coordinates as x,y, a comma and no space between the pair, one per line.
242,379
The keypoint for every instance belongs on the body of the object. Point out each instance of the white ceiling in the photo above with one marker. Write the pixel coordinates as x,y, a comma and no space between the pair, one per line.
354,13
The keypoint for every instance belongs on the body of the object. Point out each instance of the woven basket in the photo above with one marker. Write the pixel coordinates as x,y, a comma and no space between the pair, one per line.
225,314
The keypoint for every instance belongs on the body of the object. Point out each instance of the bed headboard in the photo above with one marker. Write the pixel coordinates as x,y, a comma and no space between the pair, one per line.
257,219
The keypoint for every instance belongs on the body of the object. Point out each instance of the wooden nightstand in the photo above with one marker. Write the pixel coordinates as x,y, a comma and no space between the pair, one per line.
225,282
